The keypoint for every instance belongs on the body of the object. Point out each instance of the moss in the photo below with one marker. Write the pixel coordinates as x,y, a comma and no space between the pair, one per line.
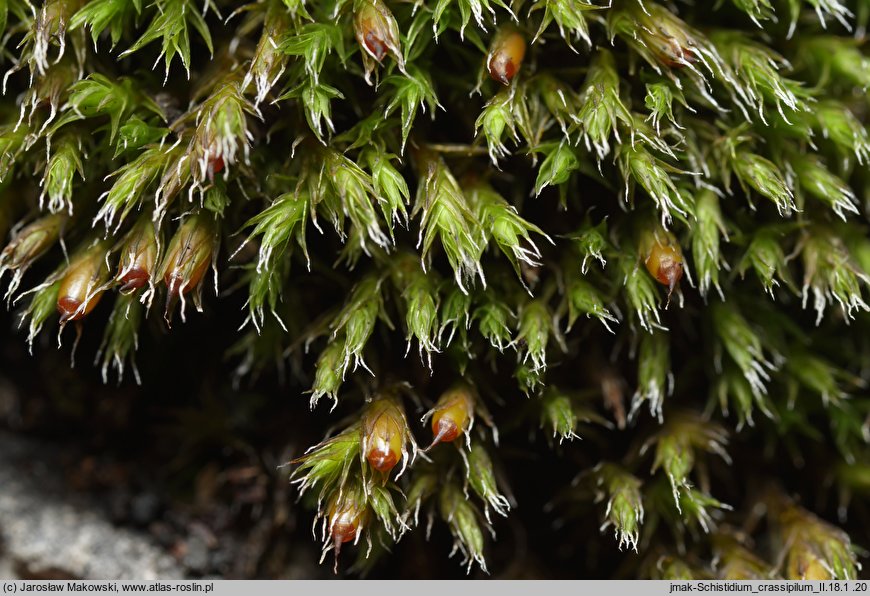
469,177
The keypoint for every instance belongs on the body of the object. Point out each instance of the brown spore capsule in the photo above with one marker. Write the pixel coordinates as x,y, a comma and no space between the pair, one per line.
179,283
188,258
81,286
665,263
138,257
662,257
133,279
215,166
345,526
68,308
506,55
669,40
383,457
374,44
384,429
377,34
452,415
669,52
189,255
346,516
445,429
183,281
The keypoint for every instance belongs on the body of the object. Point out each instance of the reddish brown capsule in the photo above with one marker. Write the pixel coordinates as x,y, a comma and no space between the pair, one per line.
377,33
215,166
371,41
188,257
452,415
506,55
668,38
138,256
384,431
346,516
663,258
210,160
671,52
83,282
345,520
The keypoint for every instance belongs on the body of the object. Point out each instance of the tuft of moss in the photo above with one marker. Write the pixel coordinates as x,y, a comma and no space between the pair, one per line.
538,197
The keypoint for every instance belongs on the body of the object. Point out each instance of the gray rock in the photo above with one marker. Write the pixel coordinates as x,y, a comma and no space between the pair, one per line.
197,557
46,532
6,569
144,508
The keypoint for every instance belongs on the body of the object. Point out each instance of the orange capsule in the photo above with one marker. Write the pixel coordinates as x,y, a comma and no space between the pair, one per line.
664,258
371,27
83,282
671,51
506,55
138,256
452,415
384,430
215,166
667,37
188,257
346,516
377,33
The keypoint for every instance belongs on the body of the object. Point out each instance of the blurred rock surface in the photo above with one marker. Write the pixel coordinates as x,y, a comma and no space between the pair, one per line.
46,532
